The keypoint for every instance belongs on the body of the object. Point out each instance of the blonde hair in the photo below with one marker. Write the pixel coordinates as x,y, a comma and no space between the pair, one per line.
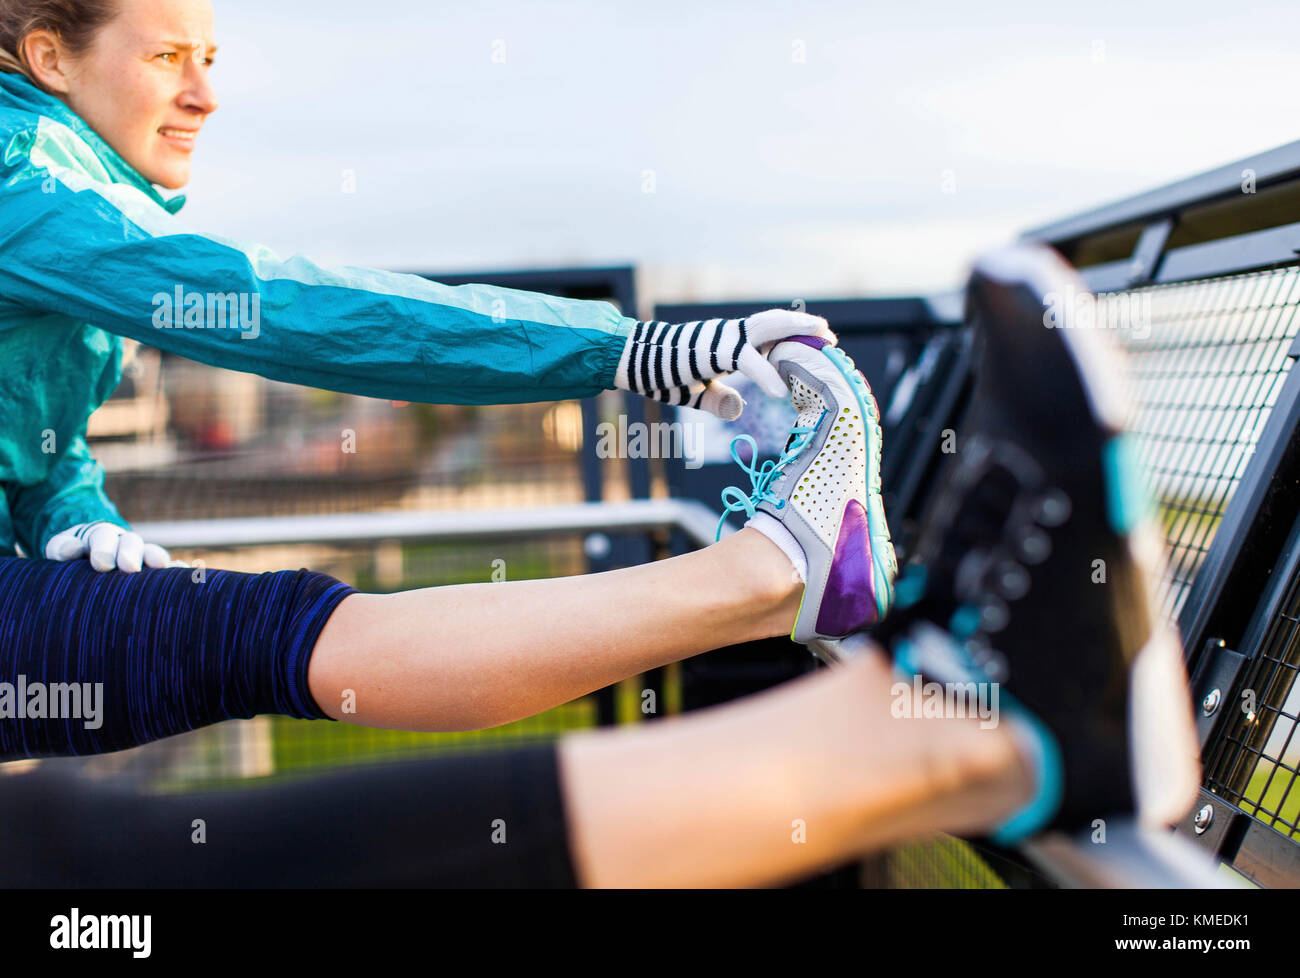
76,22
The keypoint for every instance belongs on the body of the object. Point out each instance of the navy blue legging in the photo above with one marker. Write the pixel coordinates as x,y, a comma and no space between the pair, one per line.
152,654
172,654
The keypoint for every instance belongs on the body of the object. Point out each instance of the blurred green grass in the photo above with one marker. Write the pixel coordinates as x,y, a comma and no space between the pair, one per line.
444,564
943,863
300,744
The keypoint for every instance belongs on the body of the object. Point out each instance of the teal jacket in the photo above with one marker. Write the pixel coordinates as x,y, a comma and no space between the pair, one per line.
90,252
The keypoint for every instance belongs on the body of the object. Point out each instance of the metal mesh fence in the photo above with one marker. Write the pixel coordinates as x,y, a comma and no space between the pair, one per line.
1255,760
1208,359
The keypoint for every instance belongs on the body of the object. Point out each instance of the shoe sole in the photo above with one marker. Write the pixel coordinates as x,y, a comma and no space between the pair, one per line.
1164,753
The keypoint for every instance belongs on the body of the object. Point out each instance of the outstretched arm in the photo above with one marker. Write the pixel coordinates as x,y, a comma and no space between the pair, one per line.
115,255
112,255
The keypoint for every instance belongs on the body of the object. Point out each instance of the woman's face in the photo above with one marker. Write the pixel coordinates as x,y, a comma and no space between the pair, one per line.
143,85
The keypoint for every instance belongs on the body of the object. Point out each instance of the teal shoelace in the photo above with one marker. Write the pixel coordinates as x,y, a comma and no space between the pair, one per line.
761,478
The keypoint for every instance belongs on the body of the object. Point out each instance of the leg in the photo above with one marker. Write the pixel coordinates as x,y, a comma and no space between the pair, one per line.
498,652
999,598
716,798
157,653
707,800
479,655
419,823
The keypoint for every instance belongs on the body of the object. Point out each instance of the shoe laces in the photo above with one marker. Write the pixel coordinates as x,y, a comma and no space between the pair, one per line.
765,477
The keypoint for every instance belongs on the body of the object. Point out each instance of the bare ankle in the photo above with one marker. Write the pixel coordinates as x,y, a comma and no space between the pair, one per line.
771,570
992,777
776,587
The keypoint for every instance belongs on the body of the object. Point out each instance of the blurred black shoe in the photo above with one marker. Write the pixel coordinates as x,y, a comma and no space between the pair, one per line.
1035,572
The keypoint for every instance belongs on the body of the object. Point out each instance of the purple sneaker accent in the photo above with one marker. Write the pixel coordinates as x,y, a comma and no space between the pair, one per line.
816,342
849,600
832,457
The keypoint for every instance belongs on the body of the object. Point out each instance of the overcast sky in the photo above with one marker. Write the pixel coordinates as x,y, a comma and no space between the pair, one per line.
793,149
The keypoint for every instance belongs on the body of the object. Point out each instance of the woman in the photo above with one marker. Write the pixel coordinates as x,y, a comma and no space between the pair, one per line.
106,104
100,100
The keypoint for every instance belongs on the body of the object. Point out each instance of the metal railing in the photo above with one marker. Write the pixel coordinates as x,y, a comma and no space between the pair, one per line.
1214,262
636,516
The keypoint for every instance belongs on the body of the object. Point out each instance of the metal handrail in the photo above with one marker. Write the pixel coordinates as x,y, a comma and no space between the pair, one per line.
692,518
1132,857
1224,182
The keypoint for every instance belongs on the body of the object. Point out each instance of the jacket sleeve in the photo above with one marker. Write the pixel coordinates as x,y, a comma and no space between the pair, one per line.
73,493
108,254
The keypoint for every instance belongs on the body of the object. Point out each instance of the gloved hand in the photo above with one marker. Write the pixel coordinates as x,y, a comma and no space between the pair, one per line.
108,546
677,363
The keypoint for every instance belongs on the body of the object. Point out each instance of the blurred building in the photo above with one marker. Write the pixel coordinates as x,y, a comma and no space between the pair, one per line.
181,440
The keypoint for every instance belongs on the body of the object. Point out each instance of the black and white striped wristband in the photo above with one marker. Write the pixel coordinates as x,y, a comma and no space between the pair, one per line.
674,362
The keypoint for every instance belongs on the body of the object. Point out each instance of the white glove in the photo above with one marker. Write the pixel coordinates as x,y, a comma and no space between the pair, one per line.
108,546
676,362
